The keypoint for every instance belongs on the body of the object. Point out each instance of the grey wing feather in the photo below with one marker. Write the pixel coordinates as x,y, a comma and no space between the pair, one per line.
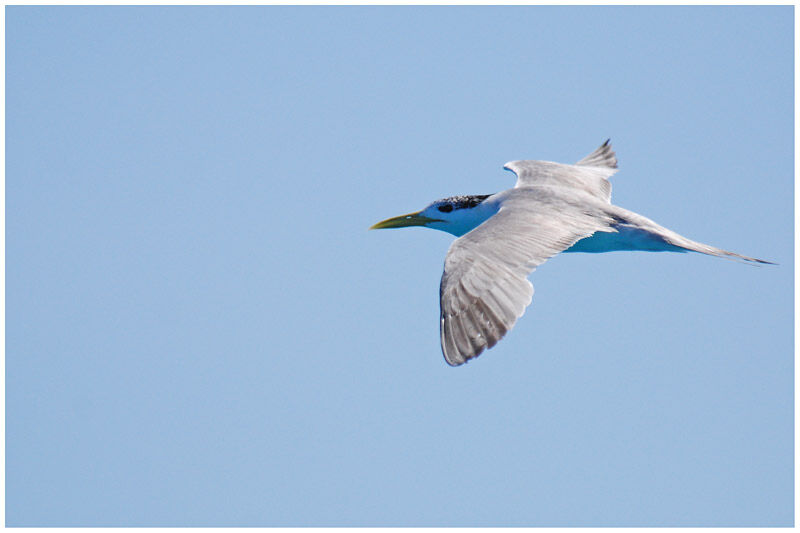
590,174
484,287
604,156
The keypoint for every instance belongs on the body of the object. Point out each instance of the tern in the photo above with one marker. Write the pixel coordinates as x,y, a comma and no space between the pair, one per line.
503,237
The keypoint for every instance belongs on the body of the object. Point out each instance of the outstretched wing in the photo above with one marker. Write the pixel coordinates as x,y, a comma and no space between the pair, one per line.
484,288
590,174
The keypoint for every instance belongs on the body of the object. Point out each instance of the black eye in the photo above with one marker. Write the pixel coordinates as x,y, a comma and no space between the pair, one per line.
446,208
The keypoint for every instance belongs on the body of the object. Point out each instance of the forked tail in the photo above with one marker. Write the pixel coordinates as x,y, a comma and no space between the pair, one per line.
693,246
631,219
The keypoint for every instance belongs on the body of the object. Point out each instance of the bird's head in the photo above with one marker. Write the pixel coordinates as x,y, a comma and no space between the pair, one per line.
456,215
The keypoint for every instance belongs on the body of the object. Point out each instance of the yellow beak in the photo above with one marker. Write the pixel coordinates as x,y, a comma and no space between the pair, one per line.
404,221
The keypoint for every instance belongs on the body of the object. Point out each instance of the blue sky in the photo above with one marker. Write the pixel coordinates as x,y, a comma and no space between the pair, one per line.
201,330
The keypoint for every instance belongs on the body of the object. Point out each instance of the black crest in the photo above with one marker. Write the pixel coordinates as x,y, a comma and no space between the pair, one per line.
461,202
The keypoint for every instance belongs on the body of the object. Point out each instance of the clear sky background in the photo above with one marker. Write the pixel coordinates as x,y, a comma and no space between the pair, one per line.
201,330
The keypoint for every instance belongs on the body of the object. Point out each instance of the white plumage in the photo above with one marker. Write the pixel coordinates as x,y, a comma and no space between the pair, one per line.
503,237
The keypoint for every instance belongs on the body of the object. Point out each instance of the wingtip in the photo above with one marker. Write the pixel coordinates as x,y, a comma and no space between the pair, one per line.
461,358
603,156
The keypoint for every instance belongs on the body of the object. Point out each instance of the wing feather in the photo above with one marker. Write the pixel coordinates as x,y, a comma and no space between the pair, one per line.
484,287
589,175
604,156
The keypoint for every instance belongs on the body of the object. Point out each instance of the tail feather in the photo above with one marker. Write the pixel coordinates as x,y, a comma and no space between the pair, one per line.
625,217
693,246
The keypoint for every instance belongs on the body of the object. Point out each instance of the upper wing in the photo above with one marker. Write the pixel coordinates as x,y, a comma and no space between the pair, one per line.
484,288
604,156
590,174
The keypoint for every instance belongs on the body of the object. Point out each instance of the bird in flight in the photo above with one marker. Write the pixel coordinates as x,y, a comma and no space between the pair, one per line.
503,237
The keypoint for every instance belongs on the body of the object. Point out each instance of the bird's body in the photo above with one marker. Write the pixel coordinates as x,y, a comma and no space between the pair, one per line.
503,237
